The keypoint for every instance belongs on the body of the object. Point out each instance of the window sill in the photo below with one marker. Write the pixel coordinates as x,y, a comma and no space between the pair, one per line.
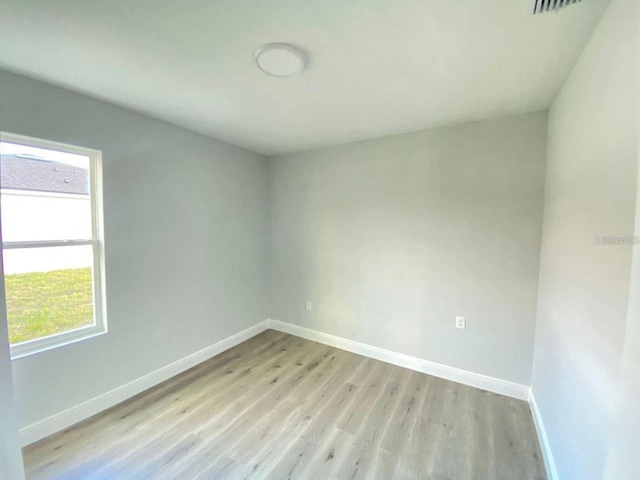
40,345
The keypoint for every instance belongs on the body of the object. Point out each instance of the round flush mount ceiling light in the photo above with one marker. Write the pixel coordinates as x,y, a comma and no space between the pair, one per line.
280,59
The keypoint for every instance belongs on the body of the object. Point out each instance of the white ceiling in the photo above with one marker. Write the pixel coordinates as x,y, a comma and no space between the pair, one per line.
376,67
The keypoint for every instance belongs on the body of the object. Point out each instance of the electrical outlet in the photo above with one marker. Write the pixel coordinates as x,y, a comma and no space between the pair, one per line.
461,322
309,306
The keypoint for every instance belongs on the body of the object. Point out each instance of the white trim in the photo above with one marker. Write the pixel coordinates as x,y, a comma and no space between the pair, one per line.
48,244
28,141
59,421
465,377
43,344
549,463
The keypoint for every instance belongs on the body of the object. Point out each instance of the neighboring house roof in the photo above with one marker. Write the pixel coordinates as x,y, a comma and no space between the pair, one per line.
28,173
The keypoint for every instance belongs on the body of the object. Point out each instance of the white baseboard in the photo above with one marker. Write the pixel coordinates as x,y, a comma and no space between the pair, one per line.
542,436
66,418
477,380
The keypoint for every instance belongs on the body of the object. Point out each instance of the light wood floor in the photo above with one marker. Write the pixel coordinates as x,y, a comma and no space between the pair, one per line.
280,407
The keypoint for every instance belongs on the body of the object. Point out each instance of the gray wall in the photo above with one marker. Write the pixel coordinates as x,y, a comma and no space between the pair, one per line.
590,190
185,228
623,461
392,238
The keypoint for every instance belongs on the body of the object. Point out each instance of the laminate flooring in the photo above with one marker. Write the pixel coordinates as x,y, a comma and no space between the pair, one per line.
281,407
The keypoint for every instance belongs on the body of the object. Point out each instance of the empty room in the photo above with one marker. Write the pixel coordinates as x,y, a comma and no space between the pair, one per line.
327,239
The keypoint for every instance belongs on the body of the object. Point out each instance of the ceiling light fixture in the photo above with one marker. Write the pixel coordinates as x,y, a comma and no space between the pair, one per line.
280,59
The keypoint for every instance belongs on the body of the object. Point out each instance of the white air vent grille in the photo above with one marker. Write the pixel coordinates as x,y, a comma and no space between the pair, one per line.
542,6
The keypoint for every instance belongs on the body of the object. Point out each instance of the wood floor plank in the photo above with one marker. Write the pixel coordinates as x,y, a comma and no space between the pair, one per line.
280,407
139,409
217,405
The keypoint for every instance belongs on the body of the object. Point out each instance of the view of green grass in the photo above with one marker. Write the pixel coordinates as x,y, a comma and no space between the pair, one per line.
41,304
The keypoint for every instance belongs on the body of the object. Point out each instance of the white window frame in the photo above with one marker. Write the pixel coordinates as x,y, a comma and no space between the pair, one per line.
96,241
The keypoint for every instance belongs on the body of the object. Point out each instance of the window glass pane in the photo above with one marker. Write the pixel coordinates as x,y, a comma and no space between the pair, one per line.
45,194
49,290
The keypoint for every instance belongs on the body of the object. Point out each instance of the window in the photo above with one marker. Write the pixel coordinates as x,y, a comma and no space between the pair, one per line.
53,251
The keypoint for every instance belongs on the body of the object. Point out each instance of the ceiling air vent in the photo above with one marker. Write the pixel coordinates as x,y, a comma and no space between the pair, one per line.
542,6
